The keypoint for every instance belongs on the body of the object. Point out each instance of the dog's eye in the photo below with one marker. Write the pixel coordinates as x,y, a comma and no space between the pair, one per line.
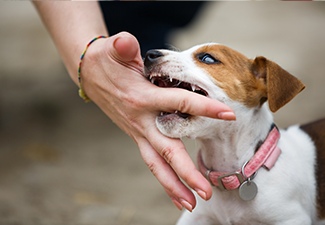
207,58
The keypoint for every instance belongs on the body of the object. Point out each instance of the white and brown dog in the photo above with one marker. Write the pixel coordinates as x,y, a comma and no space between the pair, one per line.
289,189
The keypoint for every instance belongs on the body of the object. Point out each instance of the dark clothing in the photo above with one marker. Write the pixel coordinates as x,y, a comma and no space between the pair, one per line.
149,22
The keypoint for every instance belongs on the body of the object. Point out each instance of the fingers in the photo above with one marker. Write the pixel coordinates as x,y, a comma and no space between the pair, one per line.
194,104
176,202
179,193
174,153
167,158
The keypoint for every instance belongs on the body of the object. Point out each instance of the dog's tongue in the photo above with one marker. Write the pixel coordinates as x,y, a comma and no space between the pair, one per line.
183,115
162,83
165,82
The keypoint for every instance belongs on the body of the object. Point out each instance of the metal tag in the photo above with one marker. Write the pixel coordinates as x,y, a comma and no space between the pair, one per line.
247,190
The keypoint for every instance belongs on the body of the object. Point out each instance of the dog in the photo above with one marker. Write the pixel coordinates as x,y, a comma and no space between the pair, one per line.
259,174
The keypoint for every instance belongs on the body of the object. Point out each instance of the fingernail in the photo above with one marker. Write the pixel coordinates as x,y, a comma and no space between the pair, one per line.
227,116
116,40
201,193
177,203
186,204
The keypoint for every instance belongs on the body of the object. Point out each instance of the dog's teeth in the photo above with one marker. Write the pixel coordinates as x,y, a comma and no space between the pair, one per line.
171,79
153,80
161,113
176,111
193,87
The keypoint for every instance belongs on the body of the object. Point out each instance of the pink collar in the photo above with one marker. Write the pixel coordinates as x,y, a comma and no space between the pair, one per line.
266,156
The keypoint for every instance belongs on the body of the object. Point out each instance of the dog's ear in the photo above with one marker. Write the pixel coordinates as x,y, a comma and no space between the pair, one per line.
281,86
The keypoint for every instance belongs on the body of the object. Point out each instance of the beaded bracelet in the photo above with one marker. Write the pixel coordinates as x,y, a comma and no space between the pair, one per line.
81,92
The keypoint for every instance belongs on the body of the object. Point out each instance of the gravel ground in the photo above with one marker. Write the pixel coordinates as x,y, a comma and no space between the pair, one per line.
64,162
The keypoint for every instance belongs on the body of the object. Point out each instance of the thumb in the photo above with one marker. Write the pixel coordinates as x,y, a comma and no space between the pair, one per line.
126,48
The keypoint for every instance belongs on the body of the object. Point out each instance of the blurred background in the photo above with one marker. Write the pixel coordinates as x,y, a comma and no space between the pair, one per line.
64,162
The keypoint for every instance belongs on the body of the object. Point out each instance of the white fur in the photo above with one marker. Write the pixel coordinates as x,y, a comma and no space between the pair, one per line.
286,193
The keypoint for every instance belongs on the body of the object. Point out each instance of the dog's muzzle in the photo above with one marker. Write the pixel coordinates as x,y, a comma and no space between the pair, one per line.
152,57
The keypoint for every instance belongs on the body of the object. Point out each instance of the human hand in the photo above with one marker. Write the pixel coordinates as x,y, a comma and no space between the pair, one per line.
112,77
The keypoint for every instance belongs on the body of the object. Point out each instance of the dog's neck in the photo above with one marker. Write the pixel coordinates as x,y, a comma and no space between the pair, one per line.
234,143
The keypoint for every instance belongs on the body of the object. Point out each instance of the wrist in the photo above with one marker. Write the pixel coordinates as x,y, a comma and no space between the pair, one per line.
81,91
72,55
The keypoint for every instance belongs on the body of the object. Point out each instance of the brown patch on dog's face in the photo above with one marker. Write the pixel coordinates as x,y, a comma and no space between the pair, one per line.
232,71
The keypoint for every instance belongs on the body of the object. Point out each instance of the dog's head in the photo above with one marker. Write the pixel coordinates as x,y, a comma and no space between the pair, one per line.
221,73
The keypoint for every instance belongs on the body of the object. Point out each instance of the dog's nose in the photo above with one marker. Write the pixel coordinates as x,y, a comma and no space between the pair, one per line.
151,57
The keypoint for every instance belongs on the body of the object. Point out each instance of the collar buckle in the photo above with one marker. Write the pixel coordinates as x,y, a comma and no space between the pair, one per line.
237,174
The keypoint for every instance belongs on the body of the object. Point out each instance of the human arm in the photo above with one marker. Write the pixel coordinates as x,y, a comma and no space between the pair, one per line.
112,77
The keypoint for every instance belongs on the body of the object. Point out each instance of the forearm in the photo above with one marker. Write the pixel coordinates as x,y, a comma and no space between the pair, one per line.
72,25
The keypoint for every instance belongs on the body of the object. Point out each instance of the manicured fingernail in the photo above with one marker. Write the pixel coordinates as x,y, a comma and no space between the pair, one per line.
177,203
227,116
186,204
201,193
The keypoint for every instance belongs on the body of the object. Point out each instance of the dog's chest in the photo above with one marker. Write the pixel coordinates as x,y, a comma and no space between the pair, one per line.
227,208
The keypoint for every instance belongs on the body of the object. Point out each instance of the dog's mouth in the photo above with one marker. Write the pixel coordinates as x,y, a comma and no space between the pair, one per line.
166,81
